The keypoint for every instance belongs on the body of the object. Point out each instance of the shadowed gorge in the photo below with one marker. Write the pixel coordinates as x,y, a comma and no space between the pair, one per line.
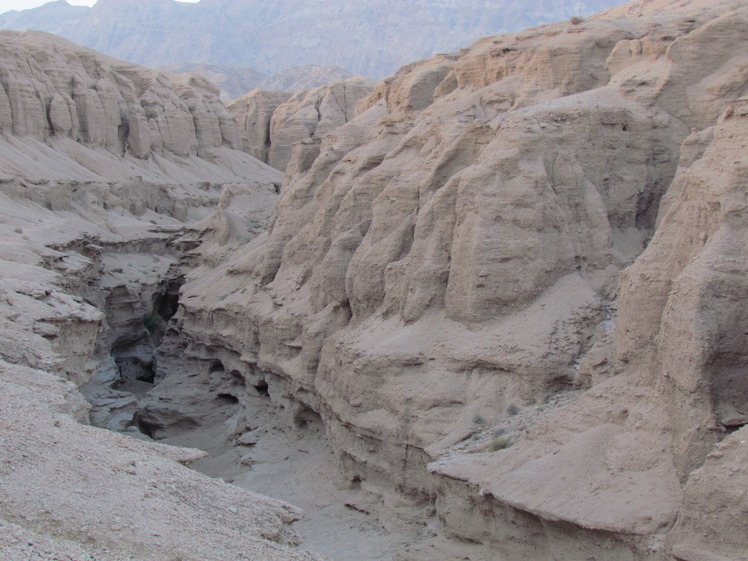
494,309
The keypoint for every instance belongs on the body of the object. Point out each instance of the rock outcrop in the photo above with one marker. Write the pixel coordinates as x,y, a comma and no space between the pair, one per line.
253,113
272,122
552,212
110,175
510,284
89,117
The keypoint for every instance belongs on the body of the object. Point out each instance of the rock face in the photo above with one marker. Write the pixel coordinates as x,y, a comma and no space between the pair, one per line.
53,89
271,122
253,113
511,286
85,116
110,175
558,211
270,39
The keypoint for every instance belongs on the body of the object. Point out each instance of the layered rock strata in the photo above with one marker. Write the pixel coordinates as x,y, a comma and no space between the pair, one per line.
253,113
110,176
271,122
139,122
473,243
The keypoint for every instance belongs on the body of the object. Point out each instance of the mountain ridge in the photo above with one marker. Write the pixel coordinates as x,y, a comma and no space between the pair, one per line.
271,38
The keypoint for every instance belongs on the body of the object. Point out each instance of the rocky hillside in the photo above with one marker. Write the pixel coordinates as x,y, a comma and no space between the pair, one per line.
109,176
270,123
69,113
371,37
508,291
512,288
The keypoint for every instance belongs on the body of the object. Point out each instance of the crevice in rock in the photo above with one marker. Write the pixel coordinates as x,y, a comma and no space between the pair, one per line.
262,388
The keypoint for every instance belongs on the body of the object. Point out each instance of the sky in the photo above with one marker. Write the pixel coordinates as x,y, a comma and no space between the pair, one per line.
7,5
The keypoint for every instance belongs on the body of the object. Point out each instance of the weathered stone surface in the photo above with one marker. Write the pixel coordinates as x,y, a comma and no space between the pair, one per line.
271,122
52,87
512,285
313,114
454,253
106,172
253,113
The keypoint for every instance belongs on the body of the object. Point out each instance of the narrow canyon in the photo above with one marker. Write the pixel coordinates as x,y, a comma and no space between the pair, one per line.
490,308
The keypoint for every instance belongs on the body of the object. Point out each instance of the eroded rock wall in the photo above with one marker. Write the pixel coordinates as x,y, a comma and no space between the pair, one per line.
253,113
271,122
453,254
68,113
51,87
110,176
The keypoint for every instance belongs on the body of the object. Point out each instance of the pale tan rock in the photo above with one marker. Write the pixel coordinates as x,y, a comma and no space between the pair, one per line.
60,116
105,188
253,113
454,253
52,87
560,209
312,114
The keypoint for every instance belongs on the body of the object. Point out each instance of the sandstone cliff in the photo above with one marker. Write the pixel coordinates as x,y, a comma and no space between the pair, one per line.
110,175
510,288
555,213
271,122
253,113
98,118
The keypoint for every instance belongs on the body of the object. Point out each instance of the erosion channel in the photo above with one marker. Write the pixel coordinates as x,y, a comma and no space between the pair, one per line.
157,381
497,312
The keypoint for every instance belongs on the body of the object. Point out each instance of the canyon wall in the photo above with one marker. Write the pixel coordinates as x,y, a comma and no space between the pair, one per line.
110,176
87,116
271,122
512,287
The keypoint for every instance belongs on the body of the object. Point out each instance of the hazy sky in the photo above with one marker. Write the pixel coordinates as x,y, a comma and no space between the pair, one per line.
6,5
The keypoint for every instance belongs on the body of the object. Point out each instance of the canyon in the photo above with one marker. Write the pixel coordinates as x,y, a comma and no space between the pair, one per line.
492,308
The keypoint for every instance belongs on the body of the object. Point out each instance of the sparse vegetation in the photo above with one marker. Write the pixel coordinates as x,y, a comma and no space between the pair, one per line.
478,419
18,230
512,410
576,20
498,443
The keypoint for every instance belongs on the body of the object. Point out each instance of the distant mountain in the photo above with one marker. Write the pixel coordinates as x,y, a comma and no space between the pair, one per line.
303,77
233,81
369,37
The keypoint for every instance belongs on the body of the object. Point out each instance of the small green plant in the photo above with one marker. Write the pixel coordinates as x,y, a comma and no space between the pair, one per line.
152,322
498,443
512,410
18,230
576,20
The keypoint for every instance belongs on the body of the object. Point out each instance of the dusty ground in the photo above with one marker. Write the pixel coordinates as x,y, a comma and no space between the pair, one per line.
298,466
